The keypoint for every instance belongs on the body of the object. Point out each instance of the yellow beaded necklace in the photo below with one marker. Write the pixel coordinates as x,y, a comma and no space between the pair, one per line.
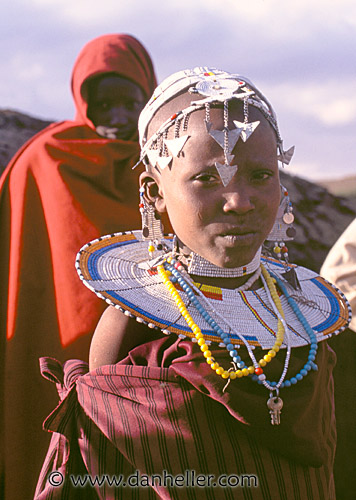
225,374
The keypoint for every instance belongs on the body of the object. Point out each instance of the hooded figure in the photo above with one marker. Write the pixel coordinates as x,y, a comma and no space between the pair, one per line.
65,186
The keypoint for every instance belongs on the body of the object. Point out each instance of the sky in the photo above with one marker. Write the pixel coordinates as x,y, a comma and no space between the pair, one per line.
300,53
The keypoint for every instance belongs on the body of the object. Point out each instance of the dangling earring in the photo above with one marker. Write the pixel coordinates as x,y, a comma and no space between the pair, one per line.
282,229
152,228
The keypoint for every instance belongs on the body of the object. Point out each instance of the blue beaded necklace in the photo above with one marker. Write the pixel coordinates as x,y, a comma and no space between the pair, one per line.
310,365
191,290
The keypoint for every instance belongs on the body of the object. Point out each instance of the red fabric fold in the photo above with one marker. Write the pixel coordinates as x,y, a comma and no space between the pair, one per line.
65,187
169,413
85,188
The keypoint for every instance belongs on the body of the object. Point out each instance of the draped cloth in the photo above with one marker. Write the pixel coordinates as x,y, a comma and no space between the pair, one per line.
65,186
163,411
339,267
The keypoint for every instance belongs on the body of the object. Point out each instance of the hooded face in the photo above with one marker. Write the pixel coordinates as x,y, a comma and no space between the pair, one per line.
114,105
224,224
118,54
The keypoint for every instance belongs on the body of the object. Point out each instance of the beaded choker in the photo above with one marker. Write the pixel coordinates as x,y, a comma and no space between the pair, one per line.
199,266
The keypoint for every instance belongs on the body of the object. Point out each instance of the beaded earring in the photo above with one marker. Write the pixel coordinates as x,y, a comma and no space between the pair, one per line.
152,228
282,229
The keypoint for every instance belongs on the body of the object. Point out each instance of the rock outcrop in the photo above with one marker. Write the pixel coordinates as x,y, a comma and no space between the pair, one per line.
320,217
15,129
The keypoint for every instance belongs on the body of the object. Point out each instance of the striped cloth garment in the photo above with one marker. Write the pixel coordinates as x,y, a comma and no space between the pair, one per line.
159,425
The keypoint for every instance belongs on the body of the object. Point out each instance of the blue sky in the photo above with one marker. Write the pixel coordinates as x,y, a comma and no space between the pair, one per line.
300,53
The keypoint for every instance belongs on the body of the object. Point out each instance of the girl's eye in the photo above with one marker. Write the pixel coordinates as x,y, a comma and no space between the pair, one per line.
262,175
207,178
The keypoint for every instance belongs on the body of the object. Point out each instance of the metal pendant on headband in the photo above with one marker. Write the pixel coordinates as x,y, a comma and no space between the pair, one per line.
219,136
225,170
227,140
285,156
176,145
163,161
153,156
246,128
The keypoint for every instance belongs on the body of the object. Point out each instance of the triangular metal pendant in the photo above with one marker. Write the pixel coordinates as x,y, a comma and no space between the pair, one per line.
226,172
164,161
153,155
291,276
247,128
229,159
250,128
286,156
219,137
175,146
208,126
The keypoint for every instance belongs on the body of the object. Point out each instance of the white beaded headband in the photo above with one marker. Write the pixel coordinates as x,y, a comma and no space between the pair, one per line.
216,86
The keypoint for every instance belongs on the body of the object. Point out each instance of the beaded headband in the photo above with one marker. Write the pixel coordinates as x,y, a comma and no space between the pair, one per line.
216,87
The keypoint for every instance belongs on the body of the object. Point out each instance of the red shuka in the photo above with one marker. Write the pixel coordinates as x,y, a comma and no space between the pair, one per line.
66,186
83,186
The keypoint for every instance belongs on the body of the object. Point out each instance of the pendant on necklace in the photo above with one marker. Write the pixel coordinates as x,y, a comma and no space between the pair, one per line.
275,405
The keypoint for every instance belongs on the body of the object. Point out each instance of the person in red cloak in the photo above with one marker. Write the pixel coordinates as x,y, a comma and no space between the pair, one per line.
70,183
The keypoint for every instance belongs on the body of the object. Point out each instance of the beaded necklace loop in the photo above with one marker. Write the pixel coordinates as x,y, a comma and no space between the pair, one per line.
170,272
310,365
243,370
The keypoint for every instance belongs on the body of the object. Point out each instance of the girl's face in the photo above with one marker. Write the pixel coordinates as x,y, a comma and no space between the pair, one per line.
225,225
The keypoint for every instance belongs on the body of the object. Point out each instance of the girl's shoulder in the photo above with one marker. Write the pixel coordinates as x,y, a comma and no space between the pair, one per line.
115,336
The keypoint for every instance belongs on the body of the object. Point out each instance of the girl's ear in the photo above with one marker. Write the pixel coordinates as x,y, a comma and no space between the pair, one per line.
153,193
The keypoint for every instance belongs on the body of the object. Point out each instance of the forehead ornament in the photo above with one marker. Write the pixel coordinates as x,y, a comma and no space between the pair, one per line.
216,87
246,128
285,156
153,156
219,136
176,145
227,141
163,161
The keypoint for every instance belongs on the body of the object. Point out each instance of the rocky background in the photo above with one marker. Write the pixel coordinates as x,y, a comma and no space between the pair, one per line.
15,129
320,217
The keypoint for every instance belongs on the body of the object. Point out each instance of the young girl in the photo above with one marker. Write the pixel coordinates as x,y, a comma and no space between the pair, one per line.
214,383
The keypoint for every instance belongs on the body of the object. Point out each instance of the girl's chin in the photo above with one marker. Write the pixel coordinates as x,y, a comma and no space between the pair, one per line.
231,258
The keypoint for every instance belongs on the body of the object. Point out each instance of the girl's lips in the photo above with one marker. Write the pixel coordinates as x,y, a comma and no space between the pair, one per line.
232,239
226,229
237,231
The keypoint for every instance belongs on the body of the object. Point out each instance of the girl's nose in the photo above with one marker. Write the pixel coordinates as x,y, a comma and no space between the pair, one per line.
238,199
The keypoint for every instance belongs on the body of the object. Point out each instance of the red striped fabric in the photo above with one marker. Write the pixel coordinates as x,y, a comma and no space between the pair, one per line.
162,409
